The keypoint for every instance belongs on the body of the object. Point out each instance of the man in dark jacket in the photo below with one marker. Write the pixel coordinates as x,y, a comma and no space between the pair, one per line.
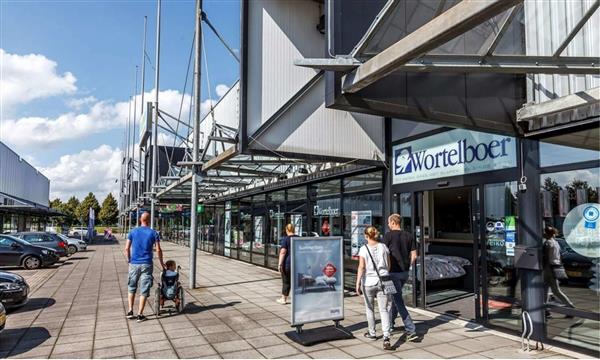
403,251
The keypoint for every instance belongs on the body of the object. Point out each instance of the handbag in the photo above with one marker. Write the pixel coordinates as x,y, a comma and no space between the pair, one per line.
385,282
559,272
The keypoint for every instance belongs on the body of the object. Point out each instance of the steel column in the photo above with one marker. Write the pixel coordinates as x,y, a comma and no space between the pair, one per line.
196,146
155,123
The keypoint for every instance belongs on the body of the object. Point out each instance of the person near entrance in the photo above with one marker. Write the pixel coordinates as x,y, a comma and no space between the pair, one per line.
553,269
374,263
403,250
138,250
284,263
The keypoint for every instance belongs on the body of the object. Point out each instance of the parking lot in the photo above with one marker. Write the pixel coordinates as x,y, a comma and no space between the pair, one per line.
76,310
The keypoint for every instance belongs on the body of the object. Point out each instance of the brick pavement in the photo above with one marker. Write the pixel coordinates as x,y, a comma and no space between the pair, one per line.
78,312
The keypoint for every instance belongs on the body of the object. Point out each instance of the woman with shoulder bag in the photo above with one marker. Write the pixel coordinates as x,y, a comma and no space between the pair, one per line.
373,268
553,268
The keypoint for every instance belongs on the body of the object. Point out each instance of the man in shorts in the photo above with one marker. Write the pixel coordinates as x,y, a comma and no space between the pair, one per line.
138,250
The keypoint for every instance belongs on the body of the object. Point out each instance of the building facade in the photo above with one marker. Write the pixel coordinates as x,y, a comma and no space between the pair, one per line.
24,192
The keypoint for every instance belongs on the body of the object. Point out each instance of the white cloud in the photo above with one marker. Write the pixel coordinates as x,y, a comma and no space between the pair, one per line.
221,90
28,77
79,103
89,170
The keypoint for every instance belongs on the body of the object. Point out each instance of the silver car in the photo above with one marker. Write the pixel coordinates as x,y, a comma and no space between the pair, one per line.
74,245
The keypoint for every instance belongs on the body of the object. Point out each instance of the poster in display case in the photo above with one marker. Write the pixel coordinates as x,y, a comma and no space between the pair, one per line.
317,279
360,220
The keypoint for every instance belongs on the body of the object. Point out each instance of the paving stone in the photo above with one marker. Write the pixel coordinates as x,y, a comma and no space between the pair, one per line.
146,338
328,354
86,354
107,334
197,352
152,346
222,337
244,354
189,341
162,354
415,354
363,350
37,352
275,351
448,350
110,342
67,348
180,333
264,341
231,346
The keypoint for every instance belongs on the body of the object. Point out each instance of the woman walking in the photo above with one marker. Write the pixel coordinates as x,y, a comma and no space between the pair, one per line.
553,268
284,263
374,261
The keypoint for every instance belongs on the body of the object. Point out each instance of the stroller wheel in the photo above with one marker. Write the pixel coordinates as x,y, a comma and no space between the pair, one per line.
157,301
181,300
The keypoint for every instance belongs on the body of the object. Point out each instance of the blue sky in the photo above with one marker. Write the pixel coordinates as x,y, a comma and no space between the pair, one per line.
99,43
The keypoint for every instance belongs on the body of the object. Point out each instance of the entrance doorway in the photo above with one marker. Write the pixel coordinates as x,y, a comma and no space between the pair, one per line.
448,225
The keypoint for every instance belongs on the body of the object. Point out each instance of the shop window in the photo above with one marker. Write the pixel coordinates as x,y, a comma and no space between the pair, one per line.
298,193
364,182
553,154
328,188
327,218
570,204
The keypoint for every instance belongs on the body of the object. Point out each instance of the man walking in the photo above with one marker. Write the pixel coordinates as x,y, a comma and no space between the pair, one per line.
138,250
403,251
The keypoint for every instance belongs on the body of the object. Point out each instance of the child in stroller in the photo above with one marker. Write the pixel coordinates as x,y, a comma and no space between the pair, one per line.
169,288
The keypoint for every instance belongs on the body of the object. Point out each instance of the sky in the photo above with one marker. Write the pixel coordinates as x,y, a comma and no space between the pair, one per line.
67,74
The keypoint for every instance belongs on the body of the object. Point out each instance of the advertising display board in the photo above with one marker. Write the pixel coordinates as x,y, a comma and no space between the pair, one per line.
317,279
452,153
360,220
582,230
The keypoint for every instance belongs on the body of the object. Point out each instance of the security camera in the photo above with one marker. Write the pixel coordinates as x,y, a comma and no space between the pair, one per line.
522,187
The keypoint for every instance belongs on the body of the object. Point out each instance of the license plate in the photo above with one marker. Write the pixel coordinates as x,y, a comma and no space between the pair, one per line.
574,273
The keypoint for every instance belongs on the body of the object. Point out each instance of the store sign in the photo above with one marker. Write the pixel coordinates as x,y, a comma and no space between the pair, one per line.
452,153
581,229
359,221
328,211
317,279
227,228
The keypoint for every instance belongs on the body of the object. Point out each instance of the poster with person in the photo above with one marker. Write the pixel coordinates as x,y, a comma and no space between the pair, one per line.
317,279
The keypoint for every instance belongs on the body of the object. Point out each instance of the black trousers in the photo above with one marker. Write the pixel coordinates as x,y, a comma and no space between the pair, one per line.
286,282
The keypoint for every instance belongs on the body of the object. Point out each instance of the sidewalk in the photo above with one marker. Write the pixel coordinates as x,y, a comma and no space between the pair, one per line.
78,312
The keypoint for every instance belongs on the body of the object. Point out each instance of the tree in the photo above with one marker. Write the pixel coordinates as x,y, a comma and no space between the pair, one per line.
70,209
109,212
83,209
55,204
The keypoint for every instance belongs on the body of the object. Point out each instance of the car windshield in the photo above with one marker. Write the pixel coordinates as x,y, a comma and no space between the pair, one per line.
15,239
62,236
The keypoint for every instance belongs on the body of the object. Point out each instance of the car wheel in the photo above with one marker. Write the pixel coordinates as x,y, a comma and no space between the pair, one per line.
75,234
31,263
72,249
181,300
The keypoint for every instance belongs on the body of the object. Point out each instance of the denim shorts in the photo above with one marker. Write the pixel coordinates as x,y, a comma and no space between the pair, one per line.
142,274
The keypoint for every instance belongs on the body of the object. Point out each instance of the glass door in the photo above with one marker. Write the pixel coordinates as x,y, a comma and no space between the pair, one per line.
447,228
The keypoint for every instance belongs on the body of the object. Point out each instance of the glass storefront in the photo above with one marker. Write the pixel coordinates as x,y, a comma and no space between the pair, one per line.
320,209
570,204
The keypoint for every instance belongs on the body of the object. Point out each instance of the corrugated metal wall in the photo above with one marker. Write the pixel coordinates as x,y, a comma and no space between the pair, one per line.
279,33
21,180
547,24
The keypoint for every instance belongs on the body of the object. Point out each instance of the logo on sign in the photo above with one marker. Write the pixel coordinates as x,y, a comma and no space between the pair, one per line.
590,215
458,153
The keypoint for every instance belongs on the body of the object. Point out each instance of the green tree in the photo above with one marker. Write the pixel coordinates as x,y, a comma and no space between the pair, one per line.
83,209
109,212
55,204
70,209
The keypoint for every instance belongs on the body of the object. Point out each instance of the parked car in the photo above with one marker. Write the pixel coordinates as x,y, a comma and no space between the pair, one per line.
78,231
18,252
73,245
48,240
2,317
578,267
14,290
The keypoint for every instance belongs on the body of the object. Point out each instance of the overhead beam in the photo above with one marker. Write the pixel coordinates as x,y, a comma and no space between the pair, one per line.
242,170
337,64
219,159
379,20
588,14
490,45
174,185
564,103
506,64
222,139
453,22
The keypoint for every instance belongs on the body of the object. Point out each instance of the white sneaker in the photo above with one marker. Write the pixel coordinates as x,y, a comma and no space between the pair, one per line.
281,301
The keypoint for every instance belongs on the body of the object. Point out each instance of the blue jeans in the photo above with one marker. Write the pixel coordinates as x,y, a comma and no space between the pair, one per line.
399,279
142,274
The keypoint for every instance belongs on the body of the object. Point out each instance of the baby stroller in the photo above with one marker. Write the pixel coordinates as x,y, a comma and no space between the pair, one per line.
169,289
